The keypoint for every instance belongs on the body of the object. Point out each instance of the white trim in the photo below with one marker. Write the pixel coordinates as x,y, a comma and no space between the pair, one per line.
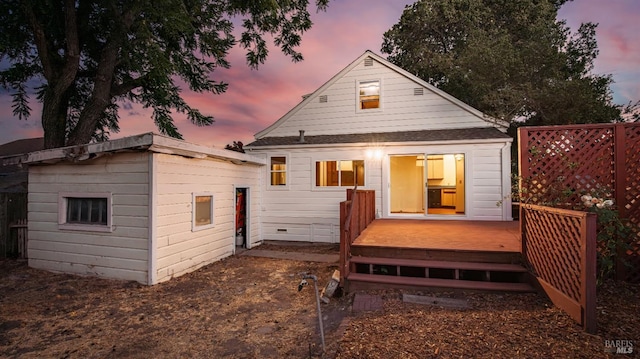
62,212
385,144
152,275
194,227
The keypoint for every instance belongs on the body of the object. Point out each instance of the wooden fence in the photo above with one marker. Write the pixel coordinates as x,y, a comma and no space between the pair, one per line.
559,248
13,225
569,161
355,215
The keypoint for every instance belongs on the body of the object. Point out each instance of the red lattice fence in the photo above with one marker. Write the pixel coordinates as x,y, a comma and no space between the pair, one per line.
565,162
559,247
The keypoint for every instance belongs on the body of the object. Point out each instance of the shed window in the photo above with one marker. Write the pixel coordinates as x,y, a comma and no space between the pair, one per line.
84,211
339,173
87,211
202,211
369,94
278,171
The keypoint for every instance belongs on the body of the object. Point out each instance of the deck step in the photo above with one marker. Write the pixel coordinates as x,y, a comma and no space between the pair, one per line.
355,278
494,267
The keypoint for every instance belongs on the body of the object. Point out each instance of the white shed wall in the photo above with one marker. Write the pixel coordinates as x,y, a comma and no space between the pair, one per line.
120,254
177,248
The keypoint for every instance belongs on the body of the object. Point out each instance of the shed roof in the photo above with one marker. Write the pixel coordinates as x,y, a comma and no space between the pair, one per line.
480,133
145,142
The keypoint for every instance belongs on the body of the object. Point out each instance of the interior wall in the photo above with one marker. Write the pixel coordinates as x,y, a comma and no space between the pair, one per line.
406,185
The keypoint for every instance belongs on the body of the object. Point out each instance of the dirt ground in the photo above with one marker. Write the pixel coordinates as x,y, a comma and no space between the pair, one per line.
249,307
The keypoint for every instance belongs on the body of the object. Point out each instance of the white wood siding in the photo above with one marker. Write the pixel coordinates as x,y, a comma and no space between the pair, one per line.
120,254
401,109
304,212
180,250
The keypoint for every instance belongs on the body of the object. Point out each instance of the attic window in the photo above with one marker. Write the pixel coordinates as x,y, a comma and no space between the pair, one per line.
418,91
369,94
368,61
323,99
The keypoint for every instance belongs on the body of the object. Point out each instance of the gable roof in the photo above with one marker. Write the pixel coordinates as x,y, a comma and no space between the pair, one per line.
502,125
481,133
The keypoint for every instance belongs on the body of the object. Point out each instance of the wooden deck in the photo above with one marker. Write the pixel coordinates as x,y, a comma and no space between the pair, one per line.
484,236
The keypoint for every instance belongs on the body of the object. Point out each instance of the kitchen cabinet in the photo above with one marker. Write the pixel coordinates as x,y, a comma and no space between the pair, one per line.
435,167
448,197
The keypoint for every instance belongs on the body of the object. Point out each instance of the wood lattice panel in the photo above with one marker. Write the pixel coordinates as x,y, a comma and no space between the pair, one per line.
553,250
565,162
572,159
559,247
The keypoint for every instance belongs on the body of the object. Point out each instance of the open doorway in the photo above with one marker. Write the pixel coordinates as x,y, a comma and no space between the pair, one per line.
427,184
241,223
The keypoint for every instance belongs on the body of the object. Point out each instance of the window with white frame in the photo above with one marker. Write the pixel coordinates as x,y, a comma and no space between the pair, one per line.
339,173
369,94
278,170
84,211
202,211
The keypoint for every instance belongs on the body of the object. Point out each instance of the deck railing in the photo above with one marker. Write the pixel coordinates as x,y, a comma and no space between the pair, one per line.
559,247
355,215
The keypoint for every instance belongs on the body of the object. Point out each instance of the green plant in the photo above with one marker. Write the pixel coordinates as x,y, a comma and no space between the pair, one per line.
612,231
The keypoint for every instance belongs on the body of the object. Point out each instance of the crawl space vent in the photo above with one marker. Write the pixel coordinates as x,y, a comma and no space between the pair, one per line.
418,91
323,98
368,61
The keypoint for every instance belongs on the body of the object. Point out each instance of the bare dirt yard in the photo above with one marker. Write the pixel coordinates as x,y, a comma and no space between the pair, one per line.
250,307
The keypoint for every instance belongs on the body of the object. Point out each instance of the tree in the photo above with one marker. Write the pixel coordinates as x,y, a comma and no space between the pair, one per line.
88,56
510,59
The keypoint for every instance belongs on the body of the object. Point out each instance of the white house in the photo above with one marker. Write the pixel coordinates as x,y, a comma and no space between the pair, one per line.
144,208
148,208
426,154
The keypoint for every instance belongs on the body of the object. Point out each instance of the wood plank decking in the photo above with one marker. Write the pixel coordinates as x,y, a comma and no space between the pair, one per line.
442,235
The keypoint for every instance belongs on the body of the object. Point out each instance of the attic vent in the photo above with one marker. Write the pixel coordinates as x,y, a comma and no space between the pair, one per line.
323,98
368,61
418,91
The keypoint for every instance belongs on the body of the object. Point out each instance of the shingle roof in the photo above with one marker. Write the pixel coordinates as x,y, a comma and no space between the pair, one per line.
403,136
22,146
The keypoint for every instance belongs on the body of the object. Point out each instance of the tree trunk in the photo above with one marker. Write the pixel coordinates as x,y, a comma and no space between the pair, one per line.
54,119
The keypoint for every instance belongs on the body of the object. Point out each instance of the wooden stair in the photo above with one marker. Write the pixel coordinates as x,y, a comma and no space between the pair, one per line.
376,272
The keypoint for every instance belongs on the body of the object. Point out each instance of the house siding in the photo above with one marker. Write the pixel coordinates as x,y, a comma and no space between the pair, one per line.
304,212
121,253
401,109
179,249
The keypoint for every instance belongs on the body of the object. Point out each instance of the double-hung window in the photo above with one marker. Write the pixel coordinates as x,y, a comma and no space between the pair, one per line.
339,173
278,170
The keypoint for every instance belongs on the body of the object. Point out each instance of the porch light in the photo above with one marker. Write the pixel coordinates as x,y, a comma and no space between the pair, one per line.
459,156
374,153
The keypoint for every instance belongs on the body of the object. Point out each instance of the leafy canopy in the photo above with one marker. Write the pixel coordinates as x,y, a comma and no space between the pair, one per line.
85,57
510,59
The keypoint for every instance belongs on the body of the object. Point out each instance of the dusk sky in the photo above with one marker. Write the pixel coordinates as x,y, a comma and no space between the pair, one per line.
256,99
